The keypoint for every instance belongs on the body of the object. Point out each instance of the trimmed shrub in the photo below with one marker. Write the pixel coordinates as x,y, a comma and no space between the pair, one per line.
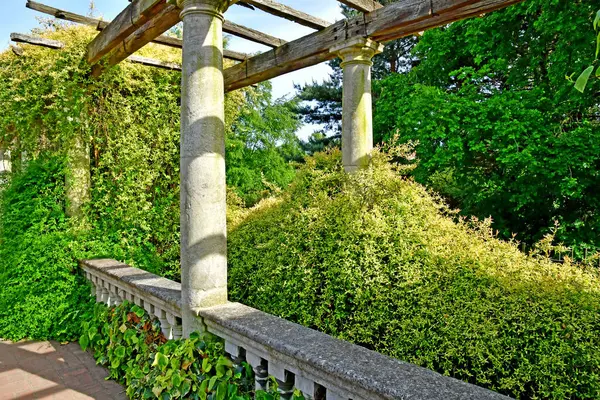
375,259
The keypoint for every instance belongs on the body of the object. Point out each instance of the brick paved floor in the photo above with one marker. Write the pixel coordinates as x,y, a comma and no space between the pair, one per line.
49,370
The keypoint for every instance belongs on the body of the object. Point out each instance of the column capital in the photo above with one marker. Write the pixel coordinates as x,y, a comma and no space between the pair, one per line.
211,7
357,51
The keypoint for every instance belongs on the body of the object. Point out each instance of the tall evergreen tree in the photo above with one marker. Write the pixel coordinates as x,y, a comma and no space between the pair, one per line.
322,102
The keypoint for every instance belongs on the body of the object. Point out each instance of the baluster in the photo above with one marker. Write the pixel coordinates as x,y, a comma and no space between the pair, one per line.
117,300
306,386
165,326
285,380
98,284
103,291
91,279
176,328
260,366
139,301
330,395
149,307
236,353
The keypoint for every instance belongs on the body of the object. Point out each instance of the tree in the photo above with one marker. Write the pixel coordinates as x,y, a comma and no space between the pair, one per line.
323,101
500,130
261,144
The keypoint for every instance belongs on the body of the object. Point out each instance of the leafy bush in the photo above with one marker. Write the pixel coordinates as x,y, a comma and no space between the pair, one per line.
42,296
375,259
132,347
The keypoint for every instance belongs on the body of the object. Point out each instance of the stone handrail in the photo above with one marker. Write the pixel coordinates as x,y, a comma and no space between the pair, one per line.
317,364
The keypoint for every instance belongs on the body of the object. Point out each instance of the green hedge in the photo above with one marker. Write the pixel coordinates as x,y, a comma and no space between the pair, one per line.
375,259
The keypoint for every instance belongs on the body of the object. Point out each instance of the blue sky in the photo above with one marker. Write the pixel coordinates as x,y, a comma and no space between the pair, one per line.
17,18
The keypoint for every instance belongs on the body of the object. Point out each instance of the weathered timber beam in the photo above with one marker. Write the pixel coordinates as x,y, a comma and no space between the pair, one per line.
17,50
362,5
151,62
403,18
283,11
178,43
135,15
56,45
38,41
61,14
153,28
100,25
252,34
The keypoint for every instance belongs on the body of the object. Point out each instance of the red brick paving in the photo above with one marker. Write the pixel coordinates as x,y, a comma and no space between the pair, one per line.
49,370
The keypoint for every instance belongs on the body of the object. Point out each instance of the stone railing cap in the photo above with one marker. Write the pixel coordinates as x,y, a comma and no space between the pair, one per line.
149,284
344,362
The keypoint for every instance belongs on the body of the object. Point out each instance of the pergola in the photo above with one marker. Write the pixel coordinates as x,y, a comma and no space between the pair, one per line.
204,83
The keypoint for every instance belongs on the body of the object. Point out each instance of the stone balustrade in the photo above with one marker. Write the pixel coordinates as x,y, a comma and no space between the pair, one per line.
113,282
322,367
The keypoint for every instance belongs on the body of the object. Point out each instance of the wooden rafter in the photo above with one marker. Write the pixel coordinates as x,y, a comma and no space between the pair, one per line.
134,16
130,25
288,13
38,41
100,25
252,34
56,45
362,5
403,18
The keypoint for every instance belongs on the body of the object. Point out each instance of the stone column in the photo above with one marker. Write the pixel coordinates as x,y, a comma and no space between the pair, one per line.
357,111
203,219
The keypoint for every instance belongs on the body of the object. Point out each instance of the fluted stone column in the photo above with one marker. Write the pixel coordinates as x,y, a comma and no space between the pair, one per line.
203,220
357,107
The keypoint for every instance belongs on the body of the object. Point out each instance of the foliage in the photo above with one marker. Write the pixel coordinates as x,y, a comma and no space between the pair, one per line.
262,143
499,129
41,294
131,345
583,79
129,118
375,259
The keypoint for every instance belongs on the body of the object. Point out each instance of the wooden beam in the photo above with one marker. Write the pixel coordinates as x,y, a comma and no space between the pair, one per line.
403,18
151,62
56,45
61,14
362,5
135,15
178,43
252,34
142,36
37,41
100,25
288,13
17,50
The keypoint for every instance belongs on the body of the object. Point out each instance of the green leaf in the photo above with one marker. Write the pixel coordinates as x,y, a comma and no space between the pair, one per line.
161,361
597,20
123,328
185,387
211,383
120,351
138,311
221,391
583,79
176,379
84,341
